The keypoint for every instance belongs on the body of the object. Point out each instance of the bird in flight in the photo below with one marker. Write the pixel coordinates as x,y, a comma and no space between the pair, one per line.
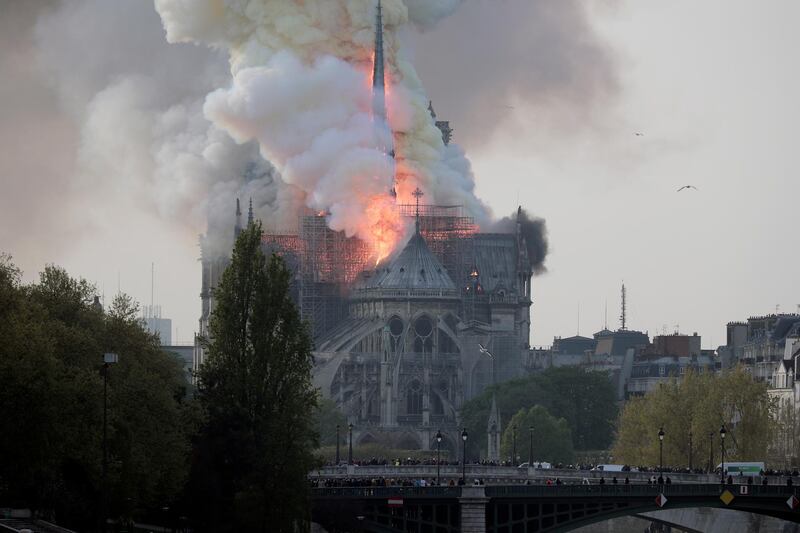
484,350
688,187
639,134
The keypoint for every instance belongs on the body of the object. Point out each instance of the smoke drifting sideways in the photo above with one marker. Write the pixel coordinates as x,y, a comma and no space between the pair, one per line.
124,120
301,87
534,230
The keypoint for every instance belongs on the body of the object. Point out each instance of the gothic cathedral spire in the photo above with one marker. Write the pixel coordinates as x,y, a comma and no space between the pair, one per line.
379,88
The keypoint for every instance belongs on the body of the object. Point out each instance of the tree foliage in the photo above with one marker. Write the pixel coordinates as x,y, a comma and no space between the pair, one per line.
51,402
700,404
552,438
585,399
255,384
326,417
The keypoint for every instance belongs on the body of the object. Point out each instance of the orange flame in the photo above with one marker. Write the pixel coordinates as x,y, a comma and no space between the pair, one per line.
385,225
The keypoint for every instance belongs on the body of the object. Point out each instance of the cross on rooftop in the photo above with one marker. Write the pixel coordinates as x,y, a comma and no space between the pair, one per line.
417,194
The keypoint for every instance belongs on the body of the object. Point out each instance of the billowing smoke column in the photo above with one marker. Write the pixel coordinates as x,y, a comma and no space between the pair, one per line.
534,229
302,88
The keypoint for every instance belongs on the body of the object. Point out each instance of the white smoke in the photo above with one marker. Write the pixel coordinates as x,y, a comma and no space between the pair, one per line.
301,87
137,102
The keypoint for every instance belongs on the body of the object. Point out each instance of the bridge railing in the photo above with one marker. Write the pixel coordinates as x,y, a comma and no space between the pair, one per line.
686,489
387,492
497,472
554,491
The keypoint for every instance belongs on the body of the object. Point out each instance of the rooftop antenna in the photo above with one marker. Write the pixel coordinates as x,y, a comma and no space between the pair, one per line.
417,195
579,319
605,317
152,289
623,315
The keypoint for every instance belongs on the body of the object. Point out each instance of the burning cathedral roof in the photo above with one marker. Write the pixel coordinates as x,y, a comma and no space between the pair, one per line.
414,268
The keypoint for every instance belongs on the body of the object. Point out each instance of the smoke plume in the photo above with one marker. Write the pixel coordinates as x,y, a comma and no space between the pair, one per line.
301,87
509,60
534,230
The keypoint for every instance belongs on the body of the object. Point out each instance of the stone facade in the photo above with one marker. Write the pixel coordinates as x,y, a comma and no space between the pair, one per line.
416,344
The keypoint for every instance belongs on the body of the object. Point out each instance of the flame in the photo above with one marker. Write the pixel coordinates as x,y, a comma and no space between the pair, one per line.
385,225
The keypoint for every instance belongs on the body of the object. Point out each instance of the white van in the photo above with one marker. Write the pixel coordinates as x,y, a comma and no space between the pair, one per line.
537,464
609,468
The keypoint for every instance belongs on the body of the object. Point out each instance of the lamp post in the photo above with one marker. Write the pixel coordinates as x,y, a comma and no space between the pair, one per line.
530,449
438,448
350,452
108,360
661,453
710,452
690,452
513,444
722,433
337,444
463,456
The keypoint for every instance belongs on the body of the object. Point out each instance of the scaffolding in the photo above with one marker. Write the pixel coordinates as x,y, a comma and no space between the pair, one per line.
327,262
448,233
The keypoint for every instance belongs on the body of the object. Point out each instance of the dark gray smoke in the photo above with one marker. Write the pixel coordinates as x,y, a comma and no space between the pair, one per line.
495,61
534,229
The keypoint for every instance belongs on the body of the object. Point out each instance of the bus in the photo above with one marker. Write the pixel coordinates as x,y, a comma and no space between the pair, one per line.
743,469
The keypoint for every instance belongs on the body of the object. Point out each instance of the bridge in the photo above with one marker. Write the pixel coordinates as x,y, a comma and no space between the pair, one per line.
530,508
500,474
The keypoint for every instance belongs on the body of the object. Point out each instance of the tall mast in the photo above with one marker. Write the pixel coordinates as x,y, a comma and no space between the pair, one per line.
623,314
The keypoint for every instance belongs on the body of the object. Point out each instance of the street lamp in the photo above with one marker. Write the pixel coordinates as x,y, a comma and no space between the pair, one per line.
690,452
108,360
661,453
350,452
464,456
530,449
513,444
438,448
722,433
337,444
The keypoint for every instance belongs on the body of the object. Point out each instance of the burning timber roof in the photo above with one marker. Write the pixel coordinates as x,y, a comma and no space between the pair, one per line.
415,269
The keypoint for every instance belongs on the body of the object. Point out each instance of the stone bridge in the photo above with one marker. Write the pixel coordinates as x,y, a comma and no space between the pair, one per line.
529,508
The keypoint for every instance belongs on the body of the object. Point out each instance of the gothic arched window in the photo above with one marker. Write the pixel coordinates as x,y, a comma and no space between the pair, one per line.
395,332
414,398
423,335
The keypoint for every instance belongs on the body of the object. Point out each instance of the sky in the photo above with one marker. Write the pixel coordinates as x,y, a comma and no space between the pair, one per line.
545,97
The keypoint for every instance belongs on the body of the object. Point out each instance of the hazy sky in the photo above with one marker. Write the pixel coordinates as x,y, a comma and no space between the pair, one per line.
546,98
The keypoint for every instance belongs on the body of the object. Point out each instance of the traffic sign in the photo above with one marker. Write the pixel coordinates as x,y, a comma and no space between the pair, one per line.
727,497
744,490
793,502
661,500
395,502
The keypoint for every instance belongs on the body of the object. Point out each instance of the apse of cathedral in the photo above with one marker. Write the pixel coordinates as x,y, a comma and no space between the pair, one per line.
400,346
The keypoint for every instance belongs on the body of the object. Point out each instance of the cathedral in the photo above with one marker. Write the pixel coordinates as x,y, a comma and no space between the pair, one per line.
400,346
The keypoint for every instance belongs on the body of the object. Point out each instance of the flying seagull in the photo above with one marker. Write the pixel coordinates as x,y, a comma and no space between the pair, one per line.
687,187
639,134
484,350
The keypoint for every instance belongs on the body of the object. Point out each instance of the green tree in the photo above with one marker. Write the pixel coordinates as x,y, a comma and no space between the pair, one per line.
51,402
585,399
698,404
552,438
326,417
256,387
